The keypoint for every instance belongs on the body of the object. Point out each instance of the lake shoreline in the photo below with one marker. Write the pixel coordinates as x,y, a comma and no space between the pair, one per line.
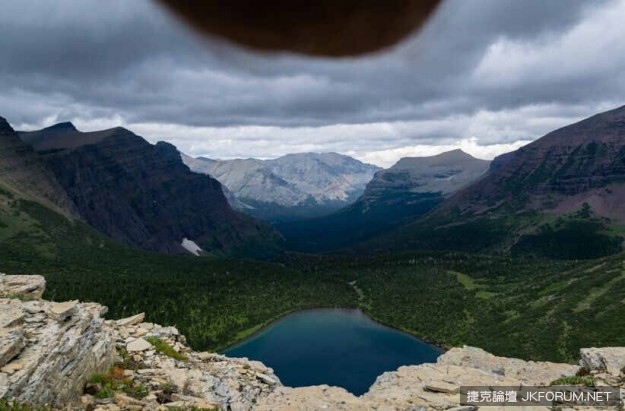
258,329
334,346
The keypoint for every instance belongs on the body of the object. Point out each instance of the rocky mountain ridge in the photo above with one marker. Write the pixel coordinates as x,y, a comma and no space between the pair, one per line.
22,170
444,173
294,185
65,354
582,162
143,195
560,196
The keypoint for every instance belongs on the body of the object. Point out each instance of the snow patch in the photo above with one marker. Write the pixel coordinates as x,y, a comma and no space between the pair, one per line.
191,247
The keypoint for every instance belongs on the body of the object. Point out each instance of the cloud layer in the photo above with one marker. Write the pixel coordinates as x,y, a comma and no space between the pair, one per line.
484,75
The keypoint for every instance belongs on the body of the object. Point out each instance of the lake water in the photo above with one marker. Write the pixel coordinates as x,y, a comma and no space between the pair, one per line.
333,346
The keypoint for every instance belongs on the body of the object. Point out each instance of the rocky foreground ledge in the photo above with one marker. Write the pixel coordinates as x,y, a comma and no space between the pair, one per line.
66,355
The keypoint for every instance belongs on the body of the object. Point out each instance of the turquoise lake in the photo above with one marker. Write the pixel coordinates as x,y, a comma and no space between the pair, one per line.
333,346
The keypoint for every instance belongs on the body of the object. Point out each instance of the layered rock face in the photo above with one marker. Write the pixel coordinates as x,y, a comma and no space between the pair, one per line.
48,350
582,162
199,379
143,195
22,171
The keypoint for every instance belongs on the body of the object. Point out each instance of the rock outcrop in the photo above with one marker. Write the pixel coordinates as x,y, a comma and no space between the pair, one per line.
67,355
48,350
426,386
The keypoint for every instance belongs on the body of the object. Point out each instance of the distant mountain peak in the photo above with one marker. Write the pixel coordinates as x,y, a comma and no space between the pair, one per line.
447,158
453,153
5,127
293,185
67,125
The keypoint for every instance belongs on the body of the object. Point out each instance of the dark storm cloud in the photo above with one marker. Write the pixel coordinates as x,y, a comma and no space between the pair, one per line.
94,61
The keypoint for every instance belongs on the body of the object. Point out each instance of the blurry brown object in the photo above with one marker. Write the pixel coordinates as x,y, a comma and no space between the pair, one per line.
316,27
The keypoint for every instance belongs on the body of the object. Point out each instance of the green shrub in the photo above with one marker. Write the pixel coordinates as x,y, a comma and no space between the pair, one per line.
586,380
162,347
6,405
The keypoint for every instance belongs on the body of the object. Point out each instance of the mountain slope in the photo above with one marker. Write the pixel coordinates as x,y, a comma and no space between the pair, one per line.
289,187
410,188
22,170
560,196
143,195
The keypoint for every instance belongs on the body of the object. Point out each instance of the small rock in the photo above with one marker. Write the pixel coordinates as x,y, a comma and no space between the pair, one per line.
12,367
124,400
607,359
11,317
133,320
150,397
24,286
147,326
86,401
63,311
204,356
12,342
176,405
37,318
138,345
140,332
194,402
266,379
32,307
441,386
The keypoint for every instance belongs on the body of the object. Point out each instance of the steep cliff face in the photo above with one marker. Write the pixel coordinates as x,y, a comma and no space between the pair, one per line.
582,162
22,171
143,195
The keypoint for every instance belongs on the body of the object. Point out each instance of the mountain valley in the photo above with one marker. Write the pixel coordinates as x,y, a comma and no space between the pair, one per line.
395,196
456,260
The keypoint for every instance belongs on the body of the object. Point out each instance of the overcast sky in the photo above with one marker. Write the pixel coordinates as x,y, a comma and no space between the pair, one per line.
485,75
